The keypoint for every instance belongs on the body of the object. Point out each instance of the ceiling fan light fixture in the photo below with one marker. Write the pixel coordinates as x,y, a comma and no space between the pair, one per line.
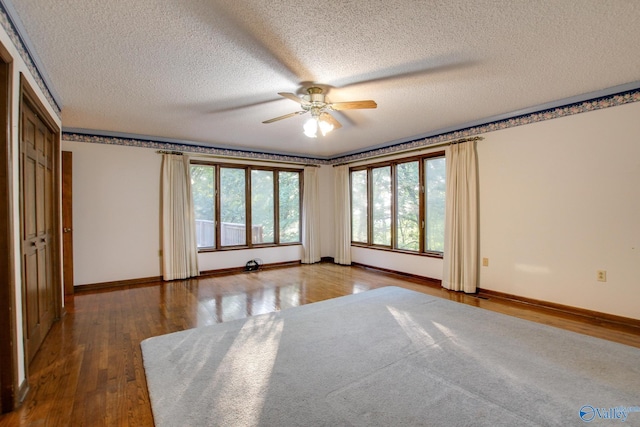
325,127
311,127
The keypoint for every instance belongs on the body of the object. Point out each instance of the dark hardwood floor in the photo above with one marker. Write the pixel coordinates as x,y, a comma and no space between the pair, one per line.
89,370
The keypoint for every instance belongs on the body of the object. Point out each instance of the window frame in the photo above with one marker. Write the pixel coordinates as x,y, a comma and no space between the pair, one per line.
423,207
420,159
276,219
276,204
217,166
351,204
247,209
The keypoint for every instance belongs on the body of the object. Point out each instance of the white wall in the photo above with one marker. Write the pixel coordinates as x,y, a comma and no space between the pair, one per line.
116,212
116,215
559,200
413,264
238,258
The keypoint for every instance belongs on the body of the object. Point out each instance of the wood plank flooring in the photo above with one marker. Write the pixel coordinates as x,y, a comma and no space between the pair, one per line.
89,370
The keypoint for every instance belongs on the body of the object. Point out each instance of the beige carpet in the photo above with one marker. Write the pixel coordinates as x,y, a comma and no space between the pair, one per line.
389,357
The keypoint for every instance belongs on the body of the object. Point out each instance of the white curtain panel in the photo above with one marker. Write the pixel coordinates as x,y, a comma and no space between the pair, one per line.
461,223
179,247
342,215
310,217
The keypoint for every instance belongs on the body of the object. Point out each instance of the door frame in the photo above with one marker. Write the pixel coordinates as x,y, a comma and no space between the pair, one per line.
67,221
28,96
8,339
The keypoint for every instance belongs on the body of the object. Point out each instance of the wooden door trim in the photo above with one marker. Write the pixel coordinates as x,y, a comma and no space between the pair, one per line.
8,339
28,96
67,221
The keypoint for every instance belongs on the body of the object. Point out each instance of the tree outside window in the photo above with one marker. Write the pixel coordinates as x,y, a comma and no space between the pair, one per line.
271,197
400,204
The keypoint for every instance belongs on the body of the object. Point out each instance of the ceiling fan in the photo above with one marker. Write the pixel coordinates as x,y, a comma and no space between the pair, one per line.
315,103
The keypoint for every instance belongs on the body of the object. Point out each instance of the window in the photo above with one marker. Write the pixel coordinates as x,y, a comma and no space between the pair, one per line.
245,206
233,209
289,206
262,207
435,204
203,188
359,206
400,205
381,205
408,206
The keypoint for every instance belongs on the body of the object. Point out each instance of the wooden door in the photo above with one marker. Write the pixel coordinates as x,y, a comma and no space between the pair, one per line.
67,221
37,212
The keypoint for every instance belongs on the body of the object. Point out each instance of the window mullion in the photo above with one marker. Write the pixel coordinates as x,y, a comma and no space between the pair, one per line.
369,206
276,207
394,201
248,221
422,201
218,226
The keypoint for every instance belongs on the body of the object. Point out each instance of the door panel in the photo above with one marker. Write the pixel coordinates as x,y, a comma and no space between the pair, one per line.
36,151
29,197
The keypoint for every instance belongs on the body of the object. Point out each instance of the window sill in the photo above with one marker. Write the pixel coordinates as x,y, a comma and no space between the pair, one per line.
399,251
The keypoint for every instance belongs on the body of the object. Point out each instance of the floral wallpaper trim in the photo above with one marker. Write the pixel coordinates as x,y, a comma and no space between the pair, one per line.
188,148
548,114
16,39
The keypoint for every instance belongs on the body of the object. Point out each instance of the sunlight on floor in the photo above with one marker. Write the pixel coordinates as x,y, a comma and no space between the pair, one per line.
242,379
416,333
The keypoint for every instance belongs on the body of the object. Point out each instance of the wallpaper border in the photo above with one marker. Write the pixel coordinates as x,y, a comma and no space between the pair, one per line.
188,148
525,119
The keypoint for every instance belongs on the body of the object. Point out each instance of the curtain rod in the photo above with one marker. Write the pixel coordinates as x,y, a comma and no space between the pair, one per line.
458,141
440,144
213,156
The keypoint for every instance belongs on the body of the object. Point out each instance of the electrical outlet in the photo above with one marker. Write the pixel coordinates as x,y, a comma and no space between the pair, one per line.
485,262
602,275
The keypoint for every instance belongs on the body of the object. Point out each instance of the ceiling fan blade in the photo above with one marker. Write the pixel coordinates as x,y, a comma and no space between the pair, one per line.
286,116
353,105
293,97
330,119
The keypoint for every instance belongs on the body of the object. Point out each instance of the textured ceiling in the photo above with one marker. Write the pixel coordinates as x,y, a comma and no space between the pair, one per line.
209,71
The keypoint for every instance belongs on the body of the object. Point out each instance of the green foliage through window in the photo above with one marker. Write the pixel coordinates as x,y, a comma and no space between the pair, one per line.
289,206
408,206
203,188
270,197
233,211
359,206
262,208
435,179
381,205
400,204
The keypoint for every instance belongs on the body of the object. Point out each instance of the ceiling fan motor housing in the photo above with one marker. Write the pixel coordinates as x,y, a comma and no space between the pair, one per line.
315,103
316,95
